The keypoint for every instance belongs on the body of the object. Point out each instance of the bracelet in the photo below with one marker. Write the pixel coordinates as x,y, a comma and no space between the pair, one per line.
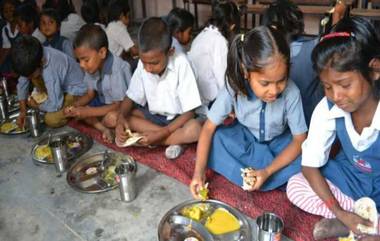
330,202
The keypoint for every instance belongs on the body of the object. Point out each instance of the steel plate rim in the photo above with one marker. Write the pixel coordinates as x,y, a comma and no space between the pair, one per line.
62,133
83,158
231,209
12,119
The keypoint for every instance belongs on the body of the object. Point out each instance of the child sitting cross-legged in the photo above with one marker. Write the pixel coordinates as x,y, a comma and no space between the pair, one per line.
165,88
107,77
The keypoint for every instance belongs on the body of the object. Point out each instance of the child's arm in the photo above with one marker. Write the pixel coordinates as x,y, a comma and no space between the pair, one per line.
320,187
203,149
85,99
288,155
122,124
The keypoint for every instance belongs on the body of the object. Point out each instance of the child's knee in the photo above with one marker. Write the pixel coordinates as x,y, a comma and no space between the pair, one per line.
193,130
110,119
53,120
295,187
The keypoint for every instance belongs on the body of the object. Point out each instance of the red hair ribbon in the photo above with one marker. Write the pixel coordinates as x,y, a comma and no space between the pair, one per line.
336,34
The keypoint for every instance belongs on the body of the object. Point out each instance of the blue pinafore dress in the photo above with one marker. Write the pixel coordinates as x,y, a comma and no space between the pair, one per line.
235,147
355,173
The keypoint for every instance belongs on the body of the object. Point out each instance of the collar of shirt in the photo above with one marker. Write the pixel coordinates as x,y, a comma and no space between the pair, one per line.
336,112
107,65
53,41
212,28
12,35
170,66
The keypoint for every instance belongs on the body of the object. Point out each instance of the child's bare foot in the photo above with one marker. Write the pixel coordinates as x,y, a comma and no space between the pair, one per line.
107,135
330,228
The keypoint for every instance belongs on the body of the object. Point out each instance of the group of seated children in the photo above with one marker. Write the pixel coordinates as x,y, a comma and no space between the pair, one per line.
263,80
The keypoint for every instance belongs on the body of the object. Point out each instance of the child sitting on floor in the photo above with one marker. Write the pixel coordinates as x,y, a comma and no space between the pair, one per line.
27,19
208,52
53,74
180,22
107,77
348,63
264,142
50,26
120,43
165,87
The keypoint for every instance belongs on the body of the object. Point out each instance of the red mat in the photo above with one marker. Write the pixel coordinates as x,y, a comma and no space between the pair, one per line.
298,224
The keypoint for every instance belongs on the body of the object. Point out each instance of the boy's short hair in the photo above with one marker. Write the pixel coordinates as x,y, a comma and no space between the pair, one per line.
26,55
154,34
285,16
53,14
116,8
90,11
28,14
91,36
179,20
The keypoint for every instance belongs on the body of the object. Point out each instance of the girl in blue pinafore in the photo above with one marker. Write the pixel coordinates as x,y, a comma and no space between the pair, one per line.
348,63
269,127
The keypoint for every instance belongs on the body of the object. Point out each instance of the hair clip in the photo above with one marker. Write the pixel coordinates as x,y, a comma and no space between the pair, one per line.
337,34
242,37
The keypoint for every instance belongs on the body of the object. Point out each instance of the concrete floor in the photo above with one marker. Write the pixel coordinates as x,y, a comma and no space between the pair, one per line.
35,205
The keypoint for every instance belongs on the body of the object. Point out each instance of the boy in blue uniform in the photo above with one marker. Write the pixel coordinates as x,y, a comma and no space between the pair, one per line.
52,73
107,77
165,87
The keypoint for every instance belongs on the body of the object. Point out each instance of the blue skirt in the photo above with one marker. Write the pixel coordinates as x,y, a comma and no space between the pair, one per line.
235,147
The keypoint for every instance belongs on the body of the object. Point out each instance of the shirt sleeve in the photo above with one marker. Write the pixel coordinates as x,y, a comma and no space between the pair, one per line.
121,80
72,77
22,88
136,90
294,110
222,106
124,39
316,148
219,66
188,92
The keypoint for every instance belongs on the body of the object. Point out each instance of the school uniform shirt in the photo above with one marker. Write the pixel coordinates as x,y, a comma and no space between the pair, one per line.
178,46
316,148
71,25
118,38
8,36
303,74
61,74
208,55
111,83
264,120
173,93
60,43
38,35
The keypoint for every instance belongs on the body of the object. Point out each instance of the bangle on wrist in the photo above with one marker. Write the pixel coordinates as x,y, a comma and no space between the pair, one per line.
330,202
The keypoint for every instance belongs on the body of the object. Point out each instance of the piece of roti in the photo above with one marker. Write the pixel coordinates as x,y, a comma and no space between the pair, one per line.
365,207
38,96
133,138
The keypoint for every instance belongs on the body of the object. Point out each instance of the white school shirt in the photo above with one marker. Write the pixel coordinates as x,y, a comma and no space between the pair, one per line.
322,132
6,42
37,34
71,25
208,55
173,93
118,38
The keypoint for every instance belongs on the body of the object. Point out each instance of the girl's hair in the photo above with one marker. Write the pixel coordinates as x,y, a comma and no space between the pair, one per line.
15,3
179,20
51,13
252,52
90,11
116,8
224,15
28,13
351,46
91,36
285,15
64,7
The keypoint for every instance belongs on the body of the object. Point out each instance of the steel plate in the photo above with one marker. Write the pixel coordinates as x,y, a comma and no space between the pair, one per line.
173,228
70,137
81,181
16,131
